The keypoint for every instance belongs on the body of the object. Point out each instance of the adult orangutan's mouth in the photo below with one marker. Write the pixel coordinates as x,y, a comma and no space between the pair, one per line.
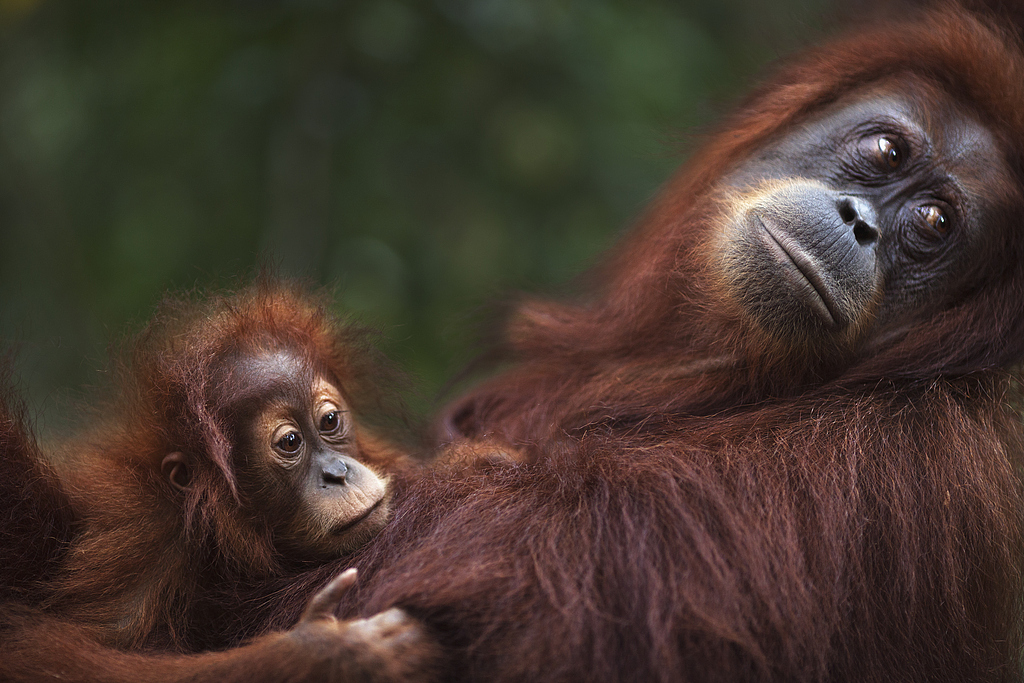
800,270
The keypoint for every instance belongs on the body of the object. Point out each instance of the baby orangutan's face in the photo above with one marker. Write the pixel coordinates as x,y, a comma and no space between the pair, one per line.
297,441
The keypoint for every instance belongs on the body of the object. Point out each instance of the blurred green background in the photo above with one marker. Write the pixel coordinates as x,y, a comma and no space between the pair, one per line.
424,157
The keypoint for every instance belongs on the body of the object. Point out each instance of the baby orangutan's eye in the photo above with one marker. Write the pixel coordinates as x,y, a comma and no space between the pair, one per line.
289,444
330,423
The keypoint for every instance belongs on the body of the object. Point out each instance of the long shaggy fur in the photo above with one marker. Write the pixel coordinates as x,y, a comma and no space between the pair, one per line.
36,522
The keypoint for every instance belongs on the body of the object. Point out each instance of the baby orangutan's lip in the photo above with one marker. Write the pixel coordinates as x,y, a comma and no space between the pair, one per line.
338,531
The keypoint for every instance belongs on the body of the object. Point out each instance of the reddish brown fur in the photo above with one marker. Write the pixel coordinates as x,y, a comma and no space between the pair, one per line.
702,507
35,522
36,647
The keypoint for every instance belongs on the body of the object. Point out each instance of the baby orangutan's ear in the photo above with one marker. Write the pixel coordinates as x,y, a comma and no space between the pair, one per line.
175,470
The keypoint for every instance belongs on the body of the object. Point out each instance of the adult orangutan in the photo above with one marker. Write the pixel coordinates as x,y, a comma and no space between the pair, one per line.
777,443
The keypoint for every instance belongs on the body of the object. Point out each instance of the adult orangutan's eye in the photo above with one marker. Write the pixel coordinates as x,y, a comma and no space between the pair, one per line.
935,217
889,152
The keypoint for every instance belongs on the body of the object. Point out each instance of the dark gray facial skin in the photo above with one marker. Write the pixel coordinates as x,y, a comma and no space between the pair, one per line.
863,217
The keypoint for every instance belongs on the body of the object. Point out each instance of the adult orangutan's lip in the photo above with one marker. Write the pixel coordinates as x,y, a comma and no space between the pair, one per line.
801,268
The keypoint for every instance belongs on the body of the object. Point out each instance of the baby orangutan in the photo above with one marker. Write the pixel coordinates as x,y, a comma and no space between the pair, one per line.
228,457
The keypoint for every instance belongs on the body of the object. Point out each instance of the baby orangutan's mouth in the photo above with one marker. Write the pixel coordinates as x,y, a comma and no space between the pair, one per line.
339,530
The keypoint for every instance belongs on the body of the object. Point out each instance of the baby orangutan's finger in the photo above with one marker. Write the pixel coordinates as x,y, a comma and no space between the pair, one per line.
324,604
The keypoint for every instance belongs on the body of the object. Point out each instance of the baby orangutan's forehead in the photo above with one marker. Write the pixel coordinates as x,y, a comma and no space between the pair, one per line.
264,376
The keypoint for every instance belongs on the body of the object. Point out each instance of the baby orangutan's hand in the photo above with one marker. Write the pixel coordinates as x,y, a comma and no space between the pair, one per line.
389,646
